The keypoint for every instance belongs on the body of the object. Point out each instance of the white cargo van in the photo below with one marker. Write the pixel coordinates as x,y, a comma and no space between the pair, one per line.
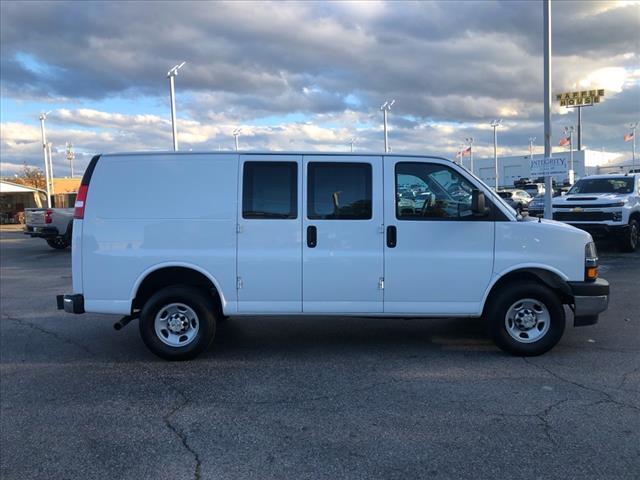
181,240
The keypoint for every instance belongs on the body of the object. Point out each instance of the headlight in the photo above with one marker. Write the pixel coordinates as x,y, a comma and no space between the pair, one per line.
590,262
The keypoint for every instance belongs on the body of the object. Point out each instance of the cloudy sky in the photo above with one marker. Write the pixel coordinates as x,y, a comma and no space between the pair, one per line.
308,76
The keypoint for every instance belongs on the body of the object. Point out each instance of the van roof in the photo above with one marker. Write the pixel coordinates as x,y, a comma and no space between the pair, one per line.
265,152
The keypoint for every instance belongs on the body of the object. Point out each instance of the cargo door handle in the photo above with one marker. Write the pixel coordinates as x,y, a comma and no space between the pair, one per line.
312,236
392,236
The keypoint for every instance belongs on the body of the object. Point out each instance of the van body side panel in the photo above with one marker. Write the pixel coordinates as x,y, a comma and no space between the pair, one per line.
144,210
540,243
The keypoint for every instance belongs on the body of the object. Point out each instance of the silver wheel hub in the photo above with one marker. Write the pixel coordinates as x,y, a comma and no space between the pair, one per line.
176,324
527,320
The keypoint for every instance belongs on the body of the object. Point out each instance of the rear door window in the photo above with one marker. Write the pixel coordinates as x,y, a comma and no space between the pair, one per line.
270,190
339,191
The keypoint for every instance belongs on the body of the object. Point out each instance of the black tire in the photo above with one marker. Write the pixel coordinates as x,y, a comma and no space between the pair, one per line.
197,300
630,241
59,243
500,304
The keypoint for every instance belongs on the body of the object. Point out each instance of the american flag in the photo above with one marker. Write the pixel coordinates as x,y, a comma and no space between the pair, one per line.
564,141
628,137
464,153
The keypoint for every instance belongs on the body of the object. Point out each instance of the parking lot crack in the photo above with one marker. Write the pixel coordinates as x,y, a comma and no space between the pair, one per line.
625,378
179,433
607,395
542,417
57,336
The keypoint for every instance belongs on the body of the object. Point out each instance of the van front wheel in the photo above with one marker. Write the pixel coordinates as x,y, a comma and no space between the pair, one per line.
178,322
526,319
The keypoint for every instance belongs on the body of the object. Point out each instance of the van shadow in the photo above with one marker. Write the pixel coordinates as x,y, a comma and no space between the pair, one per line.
256,337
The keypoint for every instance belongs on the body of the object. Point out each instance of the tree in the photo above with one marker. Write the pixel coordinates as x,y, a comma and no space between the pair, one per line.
31,177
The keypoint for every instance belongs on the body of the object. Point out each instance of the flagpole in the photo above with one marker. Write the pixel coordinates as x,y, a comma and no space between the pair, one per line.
633,148
573,173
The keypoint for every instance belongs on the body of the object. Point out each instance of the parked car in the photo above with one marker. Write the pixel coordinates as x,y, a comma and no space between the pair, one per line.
518,199
534,189
53,224
604,205
536,206
209,235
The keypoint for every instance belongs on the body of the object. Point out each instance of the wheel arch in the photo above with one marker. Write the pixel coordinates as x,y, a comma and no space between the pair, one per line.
177,273
551,278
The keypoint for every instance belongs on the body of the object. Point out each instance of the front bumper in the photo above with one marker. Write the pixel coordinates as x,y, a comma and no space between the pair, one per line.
41,232
71,303
589,300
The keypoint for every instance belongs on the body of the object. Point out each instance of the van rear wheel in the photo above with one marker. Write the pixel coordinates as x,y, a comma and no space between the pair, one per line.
526,319
178,322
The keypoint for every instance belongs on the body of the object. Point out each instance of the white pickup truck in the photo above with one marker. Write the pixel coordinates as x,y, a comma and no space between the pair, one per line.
53,224
604,205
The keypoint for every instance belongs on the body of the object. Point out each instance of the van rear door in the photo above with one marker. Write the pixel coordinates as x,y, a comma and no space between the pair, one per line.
269,234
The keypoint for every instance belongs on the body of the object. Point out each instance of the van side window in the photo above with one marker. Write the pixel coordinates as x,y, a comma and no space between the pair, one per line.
428,191
339,191
270,190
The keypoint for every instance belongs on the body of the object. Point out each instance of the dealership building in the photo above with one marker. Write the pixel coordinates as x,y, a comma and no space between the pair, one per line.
512,168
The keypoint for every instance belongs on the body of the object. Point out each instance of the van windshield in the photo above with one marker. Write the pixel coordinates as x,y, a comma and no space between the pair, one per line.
491,193
603,185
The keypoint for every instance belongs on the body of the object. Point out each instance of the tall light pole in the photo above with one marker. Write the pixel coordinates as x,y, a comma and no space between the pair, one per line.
70,156
469,141
236,134
495,124
386,107
43,117
546,7
171,74
353,141
49,145
569,131
633,148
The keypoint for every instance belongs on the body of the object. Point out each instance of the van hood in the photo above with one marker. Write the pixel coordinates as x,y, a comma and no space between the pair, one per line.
560,226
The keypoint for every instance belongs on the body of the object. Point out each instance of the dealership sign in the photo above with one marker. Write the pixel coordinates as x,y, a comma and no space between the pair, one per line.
544,167
583,98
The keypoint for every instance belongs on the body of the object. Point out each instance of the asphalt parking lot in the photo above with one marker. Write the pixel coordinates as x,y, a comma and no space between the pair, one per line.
310,398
